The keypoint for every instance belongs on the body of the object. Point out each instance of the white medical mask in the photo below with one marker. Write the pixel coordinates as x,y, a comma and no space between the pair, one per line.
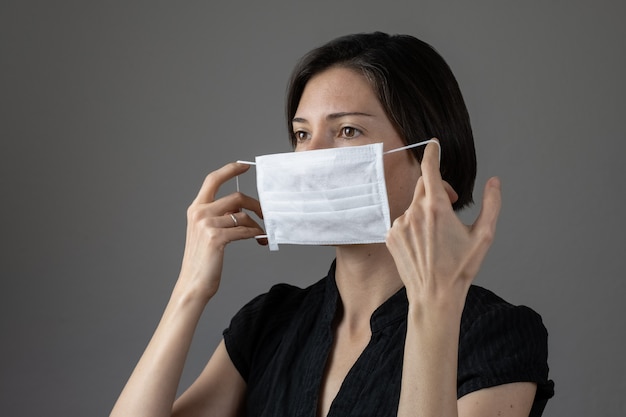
334,196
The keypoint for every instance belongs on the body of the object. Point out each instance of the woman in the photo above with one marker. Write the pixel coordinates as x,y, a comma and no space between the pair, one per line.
396,328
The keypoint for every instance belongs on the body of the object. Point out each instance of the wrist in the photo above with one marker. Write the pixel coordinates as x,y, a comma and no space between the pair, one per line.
188,294
437,305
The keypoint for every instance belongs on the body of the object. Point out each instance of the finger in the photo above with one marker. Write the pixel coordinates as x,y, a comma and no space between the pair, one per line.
239,226
430,174
485,224
241,233
420,191
240,219
233,203
430,169
215,179
250,226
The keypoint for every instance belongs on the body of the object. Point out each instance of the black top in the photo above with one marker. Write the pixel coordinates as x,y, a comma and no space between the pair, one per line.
279,343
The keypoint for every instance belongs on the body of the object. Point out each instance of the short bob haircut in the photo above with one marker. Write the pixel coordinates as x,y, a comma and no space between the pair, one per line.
415,87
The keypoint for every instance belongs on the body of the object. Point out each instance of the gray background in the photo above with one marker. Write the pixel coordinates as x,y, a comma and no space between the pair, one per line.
113,112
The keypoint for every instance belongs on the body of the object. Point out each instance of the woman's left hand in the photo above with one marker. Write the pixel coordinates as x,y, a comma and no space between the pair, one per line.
437,255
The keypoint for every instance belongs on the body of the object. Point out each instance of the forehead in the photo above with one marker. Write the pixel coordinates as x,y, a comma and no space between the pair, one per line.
339,89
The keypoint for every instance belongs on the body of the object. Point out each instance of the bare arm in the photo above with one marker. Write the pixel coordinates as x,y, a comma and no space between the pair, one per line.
218,391
508,400
151,388
438,257
430,374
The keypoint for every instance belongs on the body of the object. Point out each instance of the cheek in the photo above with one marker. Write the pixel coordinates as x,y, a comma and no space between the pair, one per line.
401,178
400,197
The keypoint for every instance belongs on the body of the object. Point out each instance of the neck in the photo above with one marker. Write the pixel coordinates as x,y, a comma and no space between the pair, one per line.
366,277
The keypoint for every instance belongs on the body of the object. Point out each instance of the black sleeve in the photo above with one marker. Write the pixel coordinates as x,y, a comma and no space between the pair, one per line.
504,345
238,338
256,327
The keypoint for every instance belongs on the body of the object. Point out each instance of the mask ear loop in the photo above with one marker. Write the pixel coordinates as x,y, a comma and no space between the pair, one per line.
237,182
237,177
415,145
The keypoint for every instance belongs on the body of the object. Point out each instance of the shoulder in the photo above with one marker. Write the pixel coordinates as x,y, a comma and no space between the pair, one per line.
282,299
260,325
484,309
501,343
274,307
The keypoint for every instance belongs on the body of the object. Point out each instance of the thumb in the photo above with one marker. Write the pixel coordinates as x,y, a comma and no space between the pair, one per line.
492,201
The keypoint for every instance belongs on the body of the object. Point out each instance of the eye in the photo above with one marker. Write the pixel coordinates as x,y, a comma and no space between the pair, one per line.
350,132
300,135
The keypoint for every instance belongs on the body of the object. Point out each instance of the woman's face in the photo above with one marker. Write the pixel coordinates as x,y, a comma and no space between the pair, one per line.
338,108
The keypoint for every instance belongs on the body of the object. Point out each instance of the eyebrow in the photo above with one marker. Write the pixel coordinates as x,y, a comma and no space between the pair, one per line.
334,116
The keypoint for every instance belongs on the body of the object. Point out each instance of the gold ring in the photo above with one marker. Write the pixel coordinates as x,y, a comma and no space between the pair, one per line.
232,216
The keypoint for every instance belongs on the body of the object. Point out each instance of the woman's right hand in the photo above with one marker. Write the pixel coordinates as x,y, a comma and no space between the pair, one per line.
210,227
152,387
